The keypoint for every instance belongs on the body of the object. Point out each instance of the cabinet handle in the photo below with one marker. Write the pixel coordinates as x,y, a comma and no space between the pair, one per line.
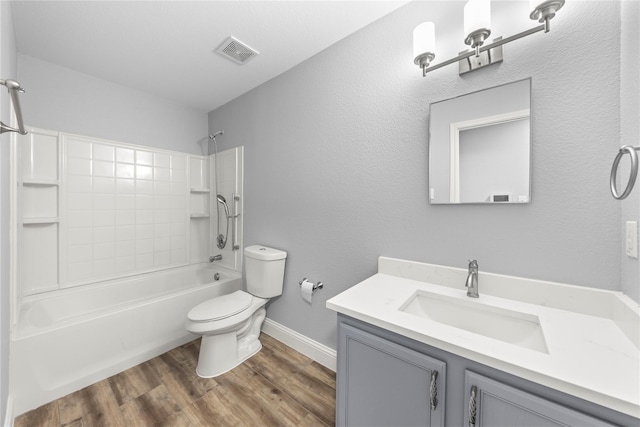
434,390
472,407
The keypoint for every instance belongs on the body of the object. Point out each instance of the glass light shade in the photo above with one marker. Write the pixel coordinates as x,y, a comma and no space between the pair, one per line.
477,16
424,39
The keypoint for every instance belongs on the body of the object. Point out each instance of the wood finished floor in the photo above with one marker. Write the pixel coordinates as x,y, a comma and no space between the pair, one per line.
276,387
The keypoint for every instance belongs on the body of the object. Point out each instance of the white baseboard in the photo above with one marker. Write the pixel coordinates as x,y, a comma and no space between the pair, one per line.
319,352
8,416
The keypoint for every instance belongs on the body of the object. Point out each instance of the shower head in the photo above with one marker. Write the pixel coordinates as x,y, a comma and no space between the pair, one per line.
220,132
220,198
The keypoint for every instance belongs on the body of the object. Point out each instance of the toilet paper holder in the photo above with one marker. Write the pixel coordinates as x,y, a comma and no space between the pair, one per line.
315,287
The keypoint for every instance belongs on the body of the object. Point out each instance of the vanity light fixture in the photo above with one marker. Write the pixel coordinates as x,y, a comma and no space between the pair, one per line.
477,28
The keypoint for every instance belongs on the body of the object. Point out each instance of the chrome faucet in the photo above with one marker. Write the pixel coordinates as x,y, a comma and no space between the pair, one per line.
472,280
215,258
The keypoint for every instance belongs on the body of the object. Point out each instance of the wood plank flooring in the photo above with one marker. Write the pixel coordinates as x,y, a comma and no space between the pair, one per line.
276,387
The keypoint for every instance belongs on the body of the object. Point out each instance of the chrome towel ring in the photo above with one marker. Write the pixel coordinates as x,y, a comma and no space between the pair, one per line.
625,149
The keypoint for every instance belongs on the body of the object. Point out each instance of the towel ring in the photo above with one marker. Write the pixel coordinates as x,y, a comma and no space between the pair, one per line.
625,149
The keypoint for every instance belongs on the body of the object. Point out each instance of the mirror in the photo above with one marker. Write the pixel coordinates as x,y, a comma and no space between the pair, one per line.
480,146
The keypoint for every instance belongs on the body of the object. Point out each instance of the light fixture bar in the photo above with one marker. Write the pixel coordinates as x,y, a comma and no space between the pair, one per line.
477,28
485,47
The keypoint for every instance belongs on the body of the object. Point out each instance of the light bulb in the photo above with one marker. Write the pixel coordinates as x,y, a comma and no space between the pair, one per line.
424,40
477,19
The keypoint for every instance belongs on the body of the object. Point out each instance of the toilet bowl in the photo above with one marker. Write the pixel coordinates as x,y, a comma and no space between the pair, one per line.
230,327
230,324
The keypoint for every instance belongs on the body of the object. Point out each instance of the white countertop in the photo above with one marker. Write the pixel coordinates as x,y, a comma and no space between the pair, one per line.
592,335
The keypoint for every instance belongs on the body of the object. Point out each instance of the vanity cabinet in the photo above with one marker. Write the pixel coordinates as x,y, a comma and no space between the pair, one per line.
384,378
381,383
493,403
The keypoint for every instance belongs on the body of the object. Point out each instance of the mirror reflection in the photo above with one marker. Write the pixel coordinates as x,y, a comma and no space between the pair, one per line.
480,146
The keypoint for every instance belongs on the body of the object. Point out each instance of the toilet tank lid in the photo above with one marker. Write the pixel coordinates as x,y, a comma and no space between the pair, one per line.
264,253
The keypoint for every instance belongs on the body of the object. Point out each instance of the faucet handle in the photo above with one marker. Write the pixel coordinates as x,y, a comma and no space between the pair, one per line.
473,263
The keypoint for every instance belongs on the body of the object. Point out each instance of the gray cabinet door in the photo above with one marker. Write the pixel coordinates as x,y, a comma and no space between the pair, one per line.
491,403
380,383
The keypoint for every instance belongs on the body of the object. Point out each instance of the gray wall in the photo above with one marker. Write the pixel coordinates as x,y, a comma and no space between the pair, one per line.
7,71
62,99
494,160
630,129
336,157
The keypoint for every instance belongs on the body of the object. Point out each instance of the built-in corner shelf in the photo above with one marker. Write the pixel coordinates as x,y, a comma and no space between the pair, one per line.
43,182
199,207
199,202
200,190
38,211
44,220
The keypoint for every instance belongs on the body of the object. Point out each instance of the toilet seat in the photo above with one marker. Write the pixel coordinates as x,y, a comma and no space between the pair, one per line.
220,307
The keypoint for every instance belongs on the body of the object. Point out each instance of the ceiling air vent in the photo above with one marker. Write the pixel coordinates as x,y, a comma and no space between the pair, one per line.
236,51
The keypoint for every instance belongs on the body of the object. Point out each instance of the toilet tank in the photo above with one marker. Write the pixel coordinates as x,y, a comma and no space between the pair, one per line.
264,268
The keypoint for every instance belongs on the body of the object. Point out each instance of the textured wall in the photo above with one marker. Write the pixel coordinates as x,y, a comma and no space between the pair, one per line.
630,126
65,100
7,71
336,157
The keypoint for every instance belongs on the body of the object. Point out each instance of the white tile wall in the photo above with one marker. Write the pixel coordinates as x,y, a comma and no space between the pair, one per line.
198,173
125,210
40,244
93,209
39,156
199,240
39,201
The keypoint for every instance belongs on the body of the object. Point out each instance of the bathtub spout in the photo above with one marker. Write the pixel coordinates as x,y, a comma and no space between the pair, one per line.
215,258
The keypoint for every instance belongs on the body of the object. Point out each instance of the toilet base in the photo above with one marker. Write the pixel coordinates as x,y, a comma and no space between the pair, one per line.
222,352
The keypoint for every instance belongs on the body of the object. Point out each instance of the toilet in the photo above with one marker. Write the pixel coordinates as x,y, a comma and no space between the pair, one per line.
230,324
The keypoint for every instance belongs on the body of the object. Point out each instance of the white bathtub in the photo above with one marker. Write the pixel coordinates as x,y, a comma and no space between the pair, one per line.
72,338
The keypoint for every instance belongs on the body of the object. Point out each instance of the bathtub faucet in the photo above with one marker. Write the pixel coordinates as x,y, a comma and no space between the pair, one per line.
215,258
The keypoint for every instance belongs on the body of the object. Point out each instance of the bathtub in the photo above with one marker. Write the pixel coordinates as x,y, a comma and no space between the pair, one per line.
69,339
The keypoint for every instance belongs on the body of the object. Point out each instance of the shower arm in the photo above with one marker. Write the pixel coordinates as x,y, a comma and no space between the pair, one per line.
14,88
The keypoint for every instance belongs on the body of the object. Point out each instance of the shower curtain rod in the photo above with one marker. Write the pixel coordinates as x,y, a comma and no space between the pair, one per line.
13,87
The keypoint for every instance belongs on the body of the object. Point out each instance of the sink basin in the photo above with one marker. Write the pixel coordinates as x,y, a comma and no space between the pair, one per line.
509,326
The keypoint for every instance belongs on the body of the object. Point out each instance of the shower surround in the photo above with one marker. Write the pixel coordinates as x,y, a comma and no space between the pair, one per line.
113,242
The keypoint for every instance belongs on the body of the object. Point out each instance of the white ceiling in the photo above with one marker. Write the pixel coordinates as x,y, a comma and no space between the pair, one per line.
167,47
